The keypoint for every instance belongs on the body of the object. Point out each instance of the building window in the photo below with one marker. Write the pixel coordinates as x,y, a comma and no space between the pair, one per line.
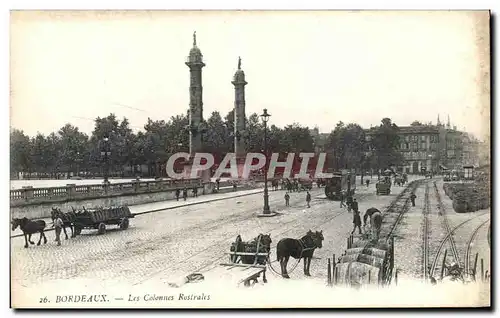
407,138
422,138
423,145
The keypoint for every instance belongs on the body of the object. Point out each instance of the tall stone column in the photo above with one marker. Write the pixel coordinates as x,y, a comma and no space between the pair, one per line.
195,64
239,113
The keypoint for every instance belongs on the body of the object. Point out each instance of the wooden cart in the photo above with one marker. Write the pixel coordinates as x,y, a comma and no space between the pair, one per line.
98,218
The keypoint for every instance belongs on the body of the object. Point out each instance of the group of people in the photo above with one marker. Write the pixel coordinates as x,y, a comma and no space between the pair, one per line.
308,199
185,193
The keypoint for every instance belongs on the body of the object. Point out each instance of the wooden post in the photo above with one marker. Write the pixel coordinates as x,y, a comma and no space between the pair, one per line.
482,269
348,275
329,273
336,275
443,264
334,266
396,277
392,252
475,267
369,277
348,243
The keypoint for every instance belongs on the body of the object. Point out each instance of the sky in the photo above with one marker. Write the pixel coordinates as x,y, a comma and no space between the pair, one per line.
313,68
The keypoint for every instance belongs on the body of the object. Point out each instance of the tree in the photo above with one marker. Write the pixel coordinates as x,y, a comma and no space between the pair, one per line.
19,152
73,147
348,145
385,143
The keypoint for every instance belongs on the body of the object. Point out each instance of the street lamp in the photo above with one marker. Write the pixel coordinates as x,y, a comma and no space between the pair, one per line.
265,118
105,153
78,161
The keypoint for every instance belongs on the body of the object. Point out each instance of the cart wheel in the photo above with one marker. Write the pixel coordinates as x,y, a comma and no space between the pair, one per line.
101,228
124,224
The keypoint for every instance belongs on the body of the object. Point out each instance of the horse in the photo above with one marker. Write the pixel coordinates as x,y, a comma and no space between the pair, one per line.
65,217
30,227
262,240
301,248
236,246
375,220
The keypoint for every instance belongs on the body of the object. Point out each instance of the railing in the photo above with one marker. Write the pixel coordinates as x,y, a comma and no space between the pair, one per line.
72,191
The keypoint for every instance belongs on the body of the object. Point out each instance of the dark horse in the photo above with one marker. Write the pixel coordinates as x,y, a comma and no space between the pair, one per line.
30,227
65,217
375,221
263,241
301,248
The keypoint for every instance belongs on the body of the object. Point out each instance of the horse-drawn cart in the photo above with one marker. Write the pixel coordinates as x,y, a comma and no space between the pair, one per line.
98,218
247,260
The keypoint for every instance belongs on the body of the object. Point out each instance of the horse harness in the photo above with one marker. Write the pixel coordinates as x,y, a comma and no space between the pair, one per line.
304,248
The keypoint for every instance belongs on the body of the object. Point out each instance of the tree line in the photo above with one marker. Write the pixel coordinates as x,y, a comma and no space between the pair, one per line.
71,151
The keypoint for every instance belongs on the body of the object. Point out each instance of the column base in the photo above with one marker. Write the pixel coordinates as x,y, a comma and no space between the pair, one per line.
262,215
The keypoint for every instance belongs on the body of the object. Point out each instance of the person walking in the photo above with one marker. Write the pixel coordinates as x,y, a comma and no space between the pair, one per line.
354,205
287,199
308,199
342,196
58,225
349,203
357,222
177,194
412,198
367,182
184,194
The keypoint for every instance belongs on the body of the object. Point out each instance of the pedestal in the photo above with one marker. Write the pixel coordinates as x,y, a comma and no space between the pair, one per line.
262,215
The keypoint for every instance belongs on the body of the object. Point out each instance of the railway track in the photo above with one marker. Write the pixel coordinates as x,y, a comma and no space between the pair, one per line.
473,236
401,205
446,224
425,235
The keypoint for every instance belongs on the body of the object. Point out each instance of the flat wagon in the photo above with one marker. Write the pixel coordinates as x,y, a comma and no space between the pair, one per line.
98,218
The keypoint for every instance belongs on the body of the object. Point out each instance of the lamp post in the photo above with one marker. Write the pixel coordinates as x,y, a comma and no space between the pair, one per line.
105,153
265,118
78,161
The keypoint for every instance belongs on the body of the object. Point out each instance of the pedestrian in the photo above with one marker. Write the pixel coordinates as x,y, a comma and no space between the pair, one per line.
58,225
177,194
355,205
308,199
367,182
287,199
342,195
349,203
218,183
412,198
184,194
357,222
195,192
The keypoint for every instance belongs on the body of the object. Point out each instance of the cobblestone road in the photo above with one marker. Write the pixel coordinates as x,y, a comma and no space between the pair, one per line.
179,241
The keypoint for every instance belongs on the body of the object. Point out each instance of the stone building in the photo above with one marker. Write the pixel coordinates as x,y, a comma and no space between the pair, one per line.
435,147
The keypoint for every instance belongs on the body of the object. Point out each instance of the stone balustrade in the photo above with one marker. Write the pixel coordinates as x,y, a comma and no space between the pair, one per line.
30,195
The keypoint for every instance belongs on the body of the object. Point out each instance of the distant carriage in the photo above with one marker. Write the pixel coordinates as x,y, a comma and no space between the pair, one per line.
98,218
341,182
383,186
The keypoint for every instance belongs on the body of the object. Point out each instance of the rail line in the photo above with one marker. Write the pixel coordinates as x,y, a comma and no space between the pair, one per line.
425,234
444,217
467,269
396,204
440,248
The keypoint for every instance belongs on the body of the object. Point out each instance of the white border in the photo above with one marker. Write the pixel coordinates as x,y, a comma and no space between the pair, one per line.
7,5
